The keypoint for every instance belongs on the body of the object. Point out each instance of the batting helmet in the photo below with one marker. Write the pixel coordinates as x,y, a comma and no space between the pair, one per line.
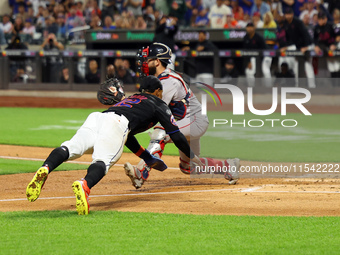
160,51
150,84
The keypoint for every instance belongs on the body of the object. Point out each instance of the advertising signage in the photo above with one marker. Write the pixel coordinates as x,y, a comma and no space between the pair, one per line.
217,35
118,36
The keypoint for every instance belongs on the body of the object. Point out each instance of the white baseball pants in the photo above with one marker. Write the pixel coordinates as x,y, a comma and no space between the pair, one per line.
105,133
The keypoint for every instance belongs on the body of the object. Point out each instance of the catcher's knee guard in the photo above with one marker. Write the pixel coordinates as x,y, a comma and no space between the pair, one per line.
158,140
156,147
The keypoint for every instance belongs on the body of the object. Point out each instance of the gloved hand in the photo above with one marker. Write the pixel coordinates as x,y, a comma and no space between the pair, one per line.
153,161
156,163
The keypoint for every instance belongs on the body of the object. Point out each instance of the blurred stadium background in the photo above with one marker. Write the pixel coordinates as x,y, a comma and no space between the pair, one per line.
69,44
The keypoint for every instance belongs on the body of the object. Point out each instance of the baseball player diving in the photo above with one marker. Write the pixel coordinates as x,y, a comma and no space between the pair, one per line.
187,111
107,132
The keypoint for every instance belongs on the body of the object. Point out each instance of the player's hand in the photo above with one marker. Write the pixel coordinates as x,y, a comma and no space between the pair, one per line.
283,49
156,163
304,49
200,48
332,47
317,50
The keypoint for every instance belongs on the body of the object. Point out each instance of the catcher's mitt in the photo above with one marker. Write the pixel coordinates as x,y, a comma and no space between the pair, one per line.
110,92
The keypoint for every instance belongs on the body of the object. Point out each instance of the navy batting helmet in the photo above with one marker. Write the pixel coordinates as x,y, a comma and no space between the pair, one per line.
150,84
159,51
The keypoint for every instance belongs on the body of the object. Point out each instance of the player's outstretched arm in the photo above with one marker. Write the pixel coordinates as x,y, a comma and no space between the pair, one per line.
134,146
182,144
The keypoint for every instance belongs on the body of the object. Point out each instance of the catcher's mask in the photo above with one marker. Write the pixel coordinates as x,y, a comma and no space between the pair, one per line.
110,92
154,51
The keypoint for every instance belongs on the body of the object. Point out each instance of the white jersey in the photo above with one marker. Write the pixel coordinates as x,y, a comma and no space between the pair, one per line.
176,89
218,15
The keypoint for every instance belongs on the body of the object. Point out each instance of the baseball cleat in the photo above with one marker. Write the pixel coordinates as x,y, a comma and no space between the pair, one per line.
82,192
233,173
34,187
134,174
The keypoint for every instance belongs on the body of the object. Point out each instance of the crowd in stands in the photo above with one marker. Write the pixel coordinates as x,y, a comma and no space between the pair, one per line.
34,20
51,23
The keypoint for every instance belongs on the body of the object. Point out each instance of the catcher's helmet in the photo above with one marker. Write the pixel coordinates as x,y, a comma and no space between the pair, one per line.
158,50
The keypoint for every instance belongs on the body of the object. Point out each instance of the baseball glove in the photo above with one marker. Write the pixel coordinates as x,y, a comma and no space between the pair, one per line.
110,92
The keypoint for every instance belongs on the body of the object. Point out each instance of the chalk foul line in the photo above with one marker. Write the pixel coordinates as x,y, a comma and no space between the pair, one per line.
249,190
70,162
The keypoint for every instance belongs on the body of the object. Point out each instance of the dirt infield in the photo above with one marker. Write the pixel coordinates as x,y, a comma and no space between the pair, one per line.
171,191
167,192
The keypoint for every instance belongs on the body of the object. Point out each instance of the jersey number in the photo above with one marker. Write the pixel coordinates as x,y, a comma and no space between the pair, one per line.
128,102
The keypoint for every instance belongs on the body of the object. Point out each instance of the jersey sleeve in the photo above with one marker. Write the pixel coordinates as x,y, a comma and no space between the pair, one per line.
307,40
333,34
166,119
316,36
170,89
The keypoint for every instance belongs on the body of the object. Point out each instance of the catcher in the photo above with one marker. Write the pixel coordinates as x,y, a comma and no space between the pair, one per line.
185,107
107,132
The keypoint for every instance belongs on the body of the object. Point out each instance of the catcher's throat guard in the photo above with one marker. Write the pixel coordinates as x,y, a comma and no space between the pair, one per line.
141,63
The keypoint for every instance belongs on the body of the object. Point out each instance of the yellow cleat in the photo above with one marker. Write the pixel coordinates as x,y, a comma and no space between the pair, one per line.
34,187
82,192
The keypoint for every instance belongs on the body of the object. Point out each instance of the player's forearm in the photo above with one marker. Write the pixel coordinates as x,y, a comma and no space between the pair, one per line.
133,145
247,2
59,45
289,2
135,4
182,144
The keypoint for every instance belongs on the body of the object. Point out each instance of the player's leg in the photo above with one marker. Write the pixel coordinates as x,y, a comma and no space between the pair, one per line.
250,72
266,63
333,68
337,71
108,148
310,73
194,128
229,168
79,143
294,65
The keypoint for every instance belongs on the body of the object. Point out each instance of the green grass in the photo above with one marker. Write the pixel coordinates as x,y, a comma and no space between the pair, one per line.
316,138
10,166
110,232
